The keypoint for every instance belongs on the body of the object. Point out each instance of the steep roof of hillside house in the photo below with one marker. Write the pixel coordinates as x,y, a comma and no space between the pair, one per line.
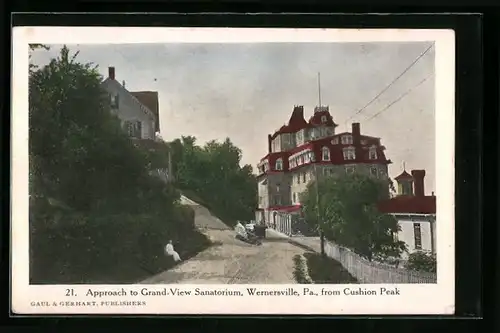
149,99
145,108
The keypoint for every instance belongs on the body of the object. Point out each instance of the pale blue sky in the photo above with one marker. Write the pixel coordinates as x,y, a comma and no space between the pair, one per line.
246,91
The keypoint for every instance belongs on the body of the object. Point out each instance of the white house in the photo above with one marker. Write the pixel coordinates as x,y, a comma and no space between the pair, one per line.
415,212
137,119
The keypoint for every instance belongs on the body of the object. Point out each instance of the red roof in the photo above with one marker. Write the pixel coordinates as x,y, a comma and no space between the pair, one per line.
316,119
409,204
336,153
295,123
404,176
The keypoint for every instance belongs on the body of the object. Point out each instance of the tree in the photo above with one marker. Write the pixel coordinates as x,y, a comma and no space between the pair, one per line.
349,216
422,261
78,150
214,174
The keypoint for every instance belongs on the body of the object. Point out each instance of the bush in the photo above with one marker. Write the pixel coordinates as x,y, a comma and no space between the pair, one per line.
109,249
299,271
422,261
327,270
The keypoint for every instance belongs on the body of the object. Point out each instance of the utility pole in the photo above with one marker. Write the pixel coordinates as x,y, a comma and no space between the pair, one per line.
320,229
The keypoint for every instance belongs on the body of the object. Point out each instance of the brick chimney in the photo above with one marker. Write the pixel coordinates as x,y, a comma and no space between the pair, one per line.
356,134
111,73
269,142
356,140
418,182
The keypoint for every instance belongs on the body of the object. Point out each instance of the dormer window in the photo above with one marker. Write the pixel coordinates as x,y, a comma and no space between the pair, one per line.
325,154
323,119
335,141
279,164
349,153
346,140
372,153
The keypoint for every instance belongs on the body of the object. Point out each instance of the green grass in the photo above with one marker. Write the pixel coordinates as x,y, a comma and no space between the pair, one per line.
327,270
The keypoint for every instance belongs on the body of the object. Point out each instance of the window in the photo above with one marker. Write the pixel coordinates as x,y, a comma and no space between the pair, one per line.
406,188
418,236
349,153
298,178
346,140
294,197
372,153
325,154
277,200
304,177
335,141
323,119
129,128
322,131
138,129
115,102
349,169
279,164
374,171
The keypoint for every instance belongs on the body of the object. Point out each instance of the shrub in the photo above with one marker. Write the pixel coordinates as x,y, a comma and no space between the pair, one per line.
299,271
110,249
422,261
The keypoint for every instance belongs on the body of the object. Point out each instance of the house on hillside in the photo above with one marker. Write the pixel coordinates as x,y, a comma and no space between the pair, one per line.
137,117
415,212
302,151
138,112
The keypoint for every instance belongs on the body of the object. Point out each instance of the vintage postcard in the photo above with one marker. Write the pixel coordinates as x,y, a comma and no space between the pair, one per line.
232,171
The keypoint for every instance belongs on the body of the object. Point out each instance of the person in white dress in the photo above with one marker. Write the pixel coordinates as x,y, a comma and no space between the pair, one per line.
241,230
169,249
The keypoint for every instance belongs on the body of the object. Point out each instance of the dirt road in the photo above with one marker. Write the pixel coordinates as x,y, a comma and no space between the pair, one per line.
231,261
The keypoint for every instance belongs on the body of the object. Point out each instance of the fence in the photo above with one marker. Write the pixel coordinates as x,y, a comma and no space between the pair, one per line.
373,272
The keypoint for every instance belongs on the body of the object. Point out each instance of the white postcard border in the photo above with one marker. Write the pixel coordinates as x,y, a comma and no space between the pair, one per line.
436,298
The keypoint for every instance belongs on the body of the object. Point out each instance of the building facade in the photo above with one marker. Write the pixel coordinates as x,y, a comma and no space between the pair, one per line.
415,212
302,151
137,119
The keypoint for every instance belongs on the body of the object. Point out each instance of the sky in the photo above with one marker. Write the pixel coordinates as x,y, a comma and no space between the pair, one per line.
247,91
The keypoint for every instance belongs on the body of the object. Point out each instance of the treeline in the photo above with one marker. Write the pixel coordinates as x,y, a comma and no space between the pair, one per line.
211,174
96,215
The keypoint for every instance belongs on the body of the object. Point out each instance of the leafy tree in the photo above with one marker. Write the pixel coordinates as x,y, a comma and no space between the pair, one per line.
214,174
349,216
78,151
422,261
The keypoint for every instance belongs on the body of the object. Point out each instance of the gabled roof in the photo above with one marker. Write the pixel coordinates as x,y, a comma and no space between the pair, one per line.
150,100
